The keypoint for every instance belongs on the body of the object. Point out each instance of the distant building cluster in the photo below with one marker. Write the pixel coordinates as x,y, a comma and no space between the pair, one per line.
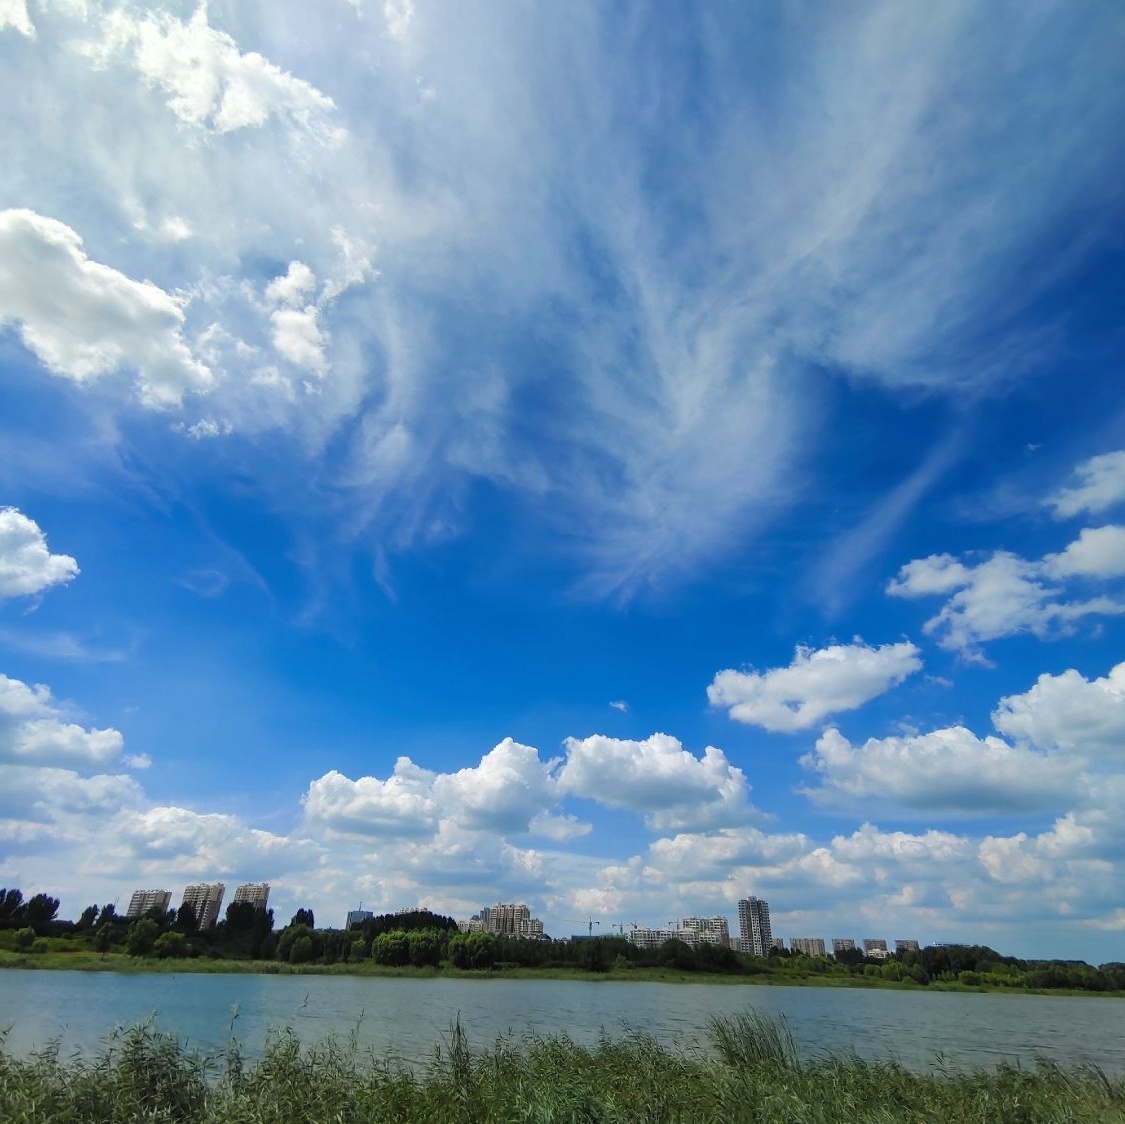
204,898
754,936
505,919
874,948
513,919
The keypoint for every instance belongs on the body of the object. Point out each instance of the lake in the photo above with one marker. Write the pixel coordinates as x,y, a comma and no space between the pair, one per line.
406,1018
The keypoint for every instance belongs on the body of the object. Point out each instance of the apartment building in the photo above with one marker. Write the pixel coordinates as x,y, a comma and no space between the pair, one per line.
205,899
253,893
755,936
144,900
705,930
809,946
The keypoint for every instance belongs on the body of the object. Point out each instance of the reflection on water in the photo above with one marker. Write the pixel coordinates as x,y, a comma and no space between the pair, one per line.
406,1018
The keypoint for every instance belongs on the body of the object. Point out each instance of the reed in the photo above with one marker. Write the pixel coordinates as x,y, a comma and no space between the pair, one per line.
753,1072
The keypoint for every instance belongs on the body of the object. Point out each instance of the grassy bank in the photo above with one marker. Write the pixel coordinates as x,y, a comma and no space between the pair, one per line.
755,1075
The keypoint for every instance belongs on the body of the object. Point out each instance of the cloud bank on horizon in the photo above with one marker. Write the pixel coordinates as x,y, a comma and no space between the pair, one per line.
376,396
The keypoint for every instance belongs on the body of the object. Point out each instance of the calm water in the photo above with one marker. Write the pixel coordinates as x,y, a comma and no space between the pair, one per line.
406,1017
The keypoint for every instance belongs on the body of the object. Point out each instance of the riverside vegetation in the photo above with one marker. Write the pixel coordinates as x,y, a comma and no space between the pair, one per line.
427,943
753,1073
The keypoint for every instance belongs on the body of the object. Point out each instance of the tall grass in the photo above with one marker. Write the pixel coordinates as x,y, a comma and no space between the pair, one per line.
755,1073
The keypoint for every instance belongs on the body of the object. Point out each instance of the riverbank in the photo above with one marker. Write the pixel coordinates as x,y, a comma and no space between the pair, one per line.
754,1073
83,961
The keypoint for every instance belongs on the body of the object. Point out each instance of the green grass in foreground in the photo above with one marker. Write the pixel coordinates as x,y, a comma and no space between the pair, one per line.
755,1075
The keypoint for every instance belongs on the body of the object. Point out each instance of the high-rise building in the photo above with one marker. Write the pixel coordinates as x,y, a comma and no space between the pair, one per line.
874,944
906,946
842,944
756,937
205,899
509,919
809,946
144,900
254,893
358,917
705,930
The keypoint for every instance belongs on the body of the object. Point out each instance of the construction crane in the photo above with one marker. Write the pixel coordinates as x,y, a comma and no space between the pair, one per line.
584,920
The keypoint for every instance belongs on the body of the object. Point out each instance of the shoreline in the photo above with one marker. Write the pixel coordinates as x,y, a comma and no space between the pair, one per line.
122,965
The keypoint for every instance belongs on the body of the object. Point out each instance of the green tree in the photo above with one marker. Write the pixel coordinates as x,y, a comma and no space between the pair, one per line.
391,949
10,902
142,936
302,950
103,938
88,919
25,938
186,921
169,945
303,917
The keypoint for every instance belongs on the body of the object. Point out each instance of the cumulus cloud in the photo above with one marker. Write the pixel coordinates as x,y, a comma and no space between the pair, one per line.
84,320
1069,712
509,787
26,564
53,796
1101,485
816,684
658,778
33,731
403,804
503,794
1006,595
1098,552
208,81
950,772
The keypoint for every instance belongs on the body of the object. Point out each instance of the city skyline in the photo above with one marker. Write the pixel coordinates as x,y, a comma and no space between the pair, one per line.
619,460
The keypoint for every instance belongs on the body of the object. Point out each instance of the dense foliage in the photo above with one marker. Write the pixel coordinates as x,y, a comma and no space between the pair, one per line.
753,1074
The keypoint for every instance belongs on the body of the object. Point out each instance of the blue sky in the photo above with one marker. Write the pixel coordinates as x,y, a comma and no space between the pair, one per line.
619,460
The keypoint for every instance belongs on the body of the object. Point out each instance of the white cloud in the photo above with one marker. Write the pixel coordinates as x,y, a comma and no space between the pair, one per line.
30,793
298,337
1098,552
658,778
688,409
560,829
26,564
948,772
1069,712
209,82
403,804
1004,595
13,13
33,731
816,684
621,705
293,287
170,838
84,320
1101,486
508,789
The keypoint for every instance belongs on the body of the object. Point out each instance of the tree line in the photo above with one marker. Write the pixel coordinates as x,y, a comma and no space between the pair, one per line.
423,939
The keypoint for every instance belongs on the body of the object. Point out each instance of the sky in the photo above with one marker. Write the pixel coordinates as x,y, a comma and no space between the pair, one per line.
617,458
